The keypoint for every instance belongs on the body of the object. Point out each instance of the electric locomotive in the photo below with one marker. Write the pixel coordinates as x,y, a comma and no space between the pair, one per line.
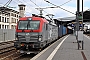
34,33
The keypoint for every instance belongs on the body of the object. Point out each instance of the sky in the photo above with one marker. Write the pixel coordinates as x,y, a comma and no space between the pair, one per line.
31,6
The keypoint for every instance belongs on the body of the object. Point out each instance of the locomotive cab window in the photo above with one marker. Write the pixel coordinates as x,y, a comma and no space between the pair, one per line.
33,25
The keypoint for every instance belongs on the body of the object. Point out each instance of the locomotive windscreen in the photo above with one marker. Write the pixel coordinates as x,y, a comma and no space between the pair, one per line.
31,25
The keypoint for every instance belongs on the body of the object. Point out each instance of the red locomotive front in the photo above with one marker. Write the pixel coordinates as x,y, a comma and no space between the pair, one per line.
29,34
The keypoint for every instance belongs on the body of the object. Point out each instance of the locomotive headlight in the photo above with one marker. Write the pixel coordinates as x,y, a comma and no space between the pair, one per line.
22,44
16,38
40,39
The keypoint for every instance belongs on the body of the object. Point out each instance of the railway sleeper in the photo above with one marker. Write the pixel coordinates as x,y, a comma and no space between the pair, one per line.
6,49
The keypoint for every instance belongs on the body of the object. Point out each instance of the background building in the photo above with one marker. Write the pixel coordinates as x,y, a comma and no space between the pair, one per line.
8,18
22,10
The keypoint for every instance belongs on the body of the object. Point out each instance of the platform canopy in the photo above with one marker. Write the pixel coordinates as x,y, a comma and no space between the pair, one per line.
86,17
66,20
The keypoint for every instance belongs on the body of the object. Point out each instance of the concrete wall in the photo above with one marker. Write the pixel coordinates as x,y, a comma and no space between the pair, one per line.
7,34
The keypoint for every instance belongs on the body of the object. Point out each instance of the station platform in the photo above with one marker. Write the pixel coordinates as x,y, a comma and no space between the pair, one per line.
66,48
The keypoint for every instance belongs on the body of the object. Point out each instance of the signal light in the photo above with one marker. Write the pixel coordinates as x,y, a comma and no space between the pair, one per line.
80,15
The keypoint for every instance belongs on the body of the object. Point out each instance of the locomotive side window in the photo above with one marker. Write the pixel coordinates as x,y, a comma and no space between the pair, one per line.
46,26
33,25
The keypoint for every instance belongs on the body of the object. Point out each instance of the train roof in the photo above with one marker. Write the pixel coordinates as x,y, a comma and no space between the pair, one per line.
34,18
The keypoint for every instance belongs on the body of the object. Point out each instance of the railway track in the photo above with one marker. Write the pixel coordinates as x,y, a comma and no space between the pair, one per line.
7,50
8,55
7,42
12,54
6,46
26,57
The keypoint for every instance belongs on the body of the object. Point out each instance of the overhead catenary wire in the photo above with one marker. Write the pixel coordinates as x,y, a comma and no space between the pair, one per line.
49,7
7,3
59,7
41,9
34,3
65,3
29,4
26,3
23,3
37,6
